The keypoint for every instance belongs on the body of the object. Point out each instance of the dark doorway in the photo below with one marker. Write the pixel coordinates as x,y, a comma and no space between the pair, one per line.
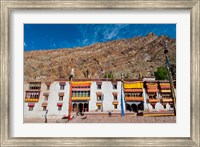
80,107
85,107
141,106
134,108
128,107
74,107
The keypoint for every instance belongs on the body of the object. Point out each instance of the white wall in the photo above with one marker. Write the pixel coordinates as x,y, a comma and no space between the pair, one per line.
106,90
52,101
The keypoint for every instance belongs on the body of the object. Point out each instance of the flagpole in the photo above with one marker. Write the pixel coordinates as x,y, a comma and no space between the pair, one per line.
122,97
70,94
170,78
70,98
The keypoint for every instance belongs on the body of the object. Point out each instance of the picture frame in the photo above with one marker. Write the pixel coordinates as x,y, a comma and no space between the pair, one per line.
8,6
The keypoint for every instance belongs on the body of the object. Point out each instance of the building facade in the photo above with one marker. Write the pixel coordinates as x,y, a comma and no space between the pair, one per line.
96,96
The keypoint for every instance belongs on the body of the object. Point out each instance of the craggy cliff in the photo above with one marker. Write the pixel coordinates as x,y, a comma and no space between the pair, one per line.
130,56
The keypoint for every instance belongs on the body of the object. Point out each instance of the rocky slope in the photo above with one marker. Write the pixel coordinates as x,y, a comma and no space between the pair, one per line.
130,56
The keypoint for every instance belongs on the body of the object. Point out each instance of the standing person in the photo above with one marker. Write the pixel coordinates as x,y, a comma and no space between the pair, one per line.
46,116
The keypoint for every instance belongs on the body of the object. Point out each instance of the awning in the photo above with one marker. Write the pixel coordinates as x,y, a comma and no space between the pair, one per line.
133,85
46,94
61,94
59,104
44,104
114,82
98,104
99,82
80,98
134,99
80,89
98,93
167,100
86,83
152,90
134,90
166,103
115,102
166,91
164,85
48,83
153,100
62,83
114,93
155,86
152,84
31,104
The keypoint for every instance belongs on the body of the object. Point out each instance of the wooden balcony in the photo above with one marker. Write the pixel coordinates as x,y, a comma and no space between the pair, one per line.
165,91
31,99
99,103
166,100
152,90
115,102
80,98
80,89
153,100
133,90
136,99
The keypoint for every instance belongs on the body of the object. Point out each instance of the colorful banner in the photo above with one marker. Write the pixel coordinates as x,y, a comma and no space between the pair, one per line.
122,102
133,85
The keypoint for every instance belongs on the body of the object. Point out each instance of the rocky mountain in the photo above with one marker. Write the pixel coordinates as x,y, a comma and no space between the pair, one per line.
134,56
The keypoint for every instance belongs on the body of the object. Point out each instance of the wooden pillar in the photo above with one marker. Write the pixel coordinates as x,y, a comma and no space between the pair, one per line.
82,107
77,107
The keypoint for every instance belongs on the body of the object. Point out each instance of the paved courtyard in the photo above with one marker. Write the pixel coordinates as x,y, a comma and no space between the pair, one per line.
106,119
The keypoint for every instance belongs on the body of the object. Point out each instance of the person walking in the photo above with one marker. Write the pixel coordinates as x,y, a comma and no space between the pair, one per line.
46,116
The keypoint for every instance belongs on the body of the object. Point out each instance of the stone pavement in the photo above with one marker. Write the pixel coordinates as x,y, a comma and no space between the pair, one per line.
106,119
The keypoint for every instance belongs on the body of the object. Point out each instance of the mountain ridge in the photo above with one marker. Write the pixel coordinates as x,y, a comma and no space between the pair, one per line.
131,56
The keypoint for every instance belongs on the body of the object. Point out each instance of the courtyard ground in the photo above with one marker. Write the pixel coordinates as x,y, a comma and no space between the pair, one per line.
105,119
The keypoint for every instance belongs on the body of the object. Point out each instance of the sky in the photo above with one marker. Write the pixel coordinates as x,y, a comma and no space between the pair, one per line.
55,36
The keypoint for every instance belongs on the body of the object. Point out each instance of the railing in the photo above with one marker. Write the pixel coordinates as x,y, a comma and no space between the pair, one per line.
31,99
153,100
133,90
80,89
115,102
167,100
80,98
134,99
165,90
152,90
99,103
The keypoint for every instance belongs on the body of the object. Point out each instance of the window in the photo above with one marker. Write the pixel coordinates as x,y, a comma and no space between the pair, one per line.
99,107
35,85
98,86
152,96
30,108
46,97
98,97
84,94
115,106
59,108
62,87
115,97
166,95
32,96
114,86
44,108
60,98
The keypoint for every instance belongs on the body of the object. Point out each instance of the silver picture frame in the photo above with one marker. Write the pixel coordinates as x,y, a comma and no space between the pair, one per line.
193,5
